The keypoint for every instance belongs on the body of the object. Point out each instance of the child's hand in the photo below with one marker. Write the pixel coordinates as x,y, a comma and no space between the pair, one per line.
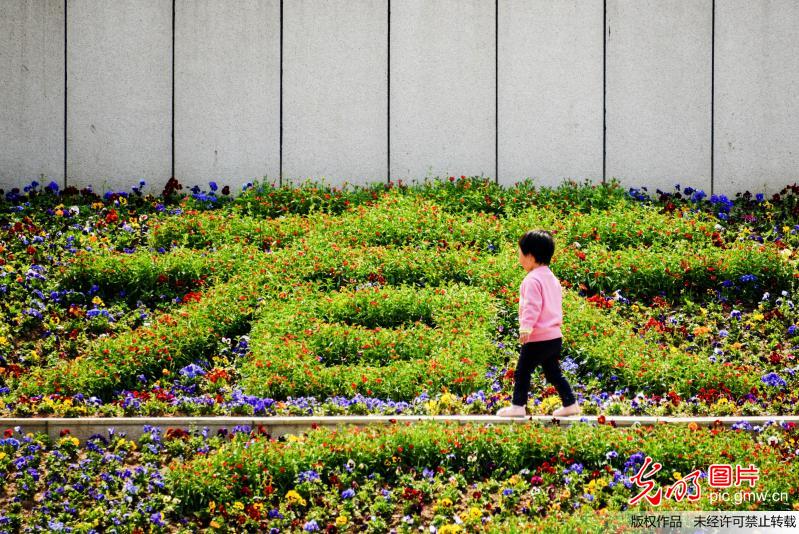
523,337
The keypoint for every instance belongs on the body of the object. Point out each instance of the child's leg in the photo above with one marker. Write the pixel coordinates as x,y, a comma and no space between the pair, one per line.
553,374
528,359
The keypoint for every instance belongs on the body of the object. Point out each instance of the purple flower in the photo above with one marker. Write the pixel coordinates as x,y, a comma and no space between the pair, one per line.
348,493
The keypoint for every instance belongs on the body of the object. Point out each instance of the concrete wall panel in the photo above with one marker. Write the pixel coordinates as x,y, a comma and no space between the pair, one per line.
31,92
227,91
334,91
119,93
658,93
757,96
550,91
442,88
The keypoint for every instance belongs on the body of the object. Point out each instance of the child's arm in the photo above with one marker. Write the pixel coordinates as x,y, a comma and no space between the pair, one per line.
530,309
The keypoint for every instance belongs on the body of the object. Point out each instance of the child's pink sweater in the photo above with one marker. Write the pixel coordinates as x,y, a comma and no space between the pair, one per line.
540,305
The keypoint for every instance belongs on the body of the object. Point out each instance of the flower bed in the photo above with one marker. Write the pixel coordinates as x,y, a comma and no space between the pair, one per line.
391,343
133,305
443,478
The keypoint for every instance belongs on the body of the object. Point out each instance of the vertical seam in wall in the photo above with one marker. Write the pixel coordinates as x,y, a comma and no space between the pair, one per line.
604,85
173,88
65,94
280,153
496,92
712,94
388,92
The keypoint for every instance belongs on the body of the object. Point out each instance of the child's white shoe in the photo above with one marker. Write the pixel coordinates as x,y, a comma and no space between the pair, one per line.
572,409
512,411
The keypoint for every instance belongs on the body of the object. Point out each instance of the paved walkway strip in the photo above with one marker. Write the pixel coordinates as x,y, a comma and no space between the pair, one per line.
84,427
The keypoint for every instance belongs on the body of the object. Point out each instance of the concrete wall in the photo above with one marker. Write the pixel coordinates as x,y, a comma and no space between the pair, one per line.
442,88
119,93
695,92
334,90
658,92
550,90
757,94
227,90
31,92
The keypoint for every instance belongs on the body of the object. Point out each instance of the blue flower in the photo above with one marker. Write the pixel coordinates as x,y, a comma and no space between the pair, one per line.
748,278
308,476
310,526
213,186
192,371
507,492
759,197
348,493
774,380
792,330
157,519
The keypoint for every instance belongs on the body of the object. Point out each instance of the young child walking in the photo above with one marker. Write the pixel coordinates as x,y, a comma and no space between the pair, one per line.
540,319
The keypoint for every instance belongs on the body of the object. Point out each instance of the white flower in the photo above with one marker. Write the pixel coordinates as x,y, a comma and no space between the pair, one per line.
74,210
576,244
773,440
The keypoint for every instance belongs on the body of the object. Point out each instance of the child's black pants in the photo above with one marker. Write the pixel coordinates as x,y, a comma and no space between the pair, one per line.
547,354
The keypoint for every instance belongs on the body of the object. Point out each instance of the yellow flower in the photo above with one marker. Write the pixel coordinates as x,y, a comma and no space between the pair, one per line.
2,455
341,520
98,301
786,229
676,475
757,317
3,340
513,480
238,506
295,498
567,493
214,524
123,200
211,506
447,529
446,502
475,513
258,506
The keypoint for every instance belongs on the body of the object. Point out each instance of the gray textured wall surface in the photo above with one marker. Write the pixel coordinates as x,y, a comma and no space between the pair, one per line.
757,94
334,90
119,93
652,92
550,91
31,91
227,90
658,92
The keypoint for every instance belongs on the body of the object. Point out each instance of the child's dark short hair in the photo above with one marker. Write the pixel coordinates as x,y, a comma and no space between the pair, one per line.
540,244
